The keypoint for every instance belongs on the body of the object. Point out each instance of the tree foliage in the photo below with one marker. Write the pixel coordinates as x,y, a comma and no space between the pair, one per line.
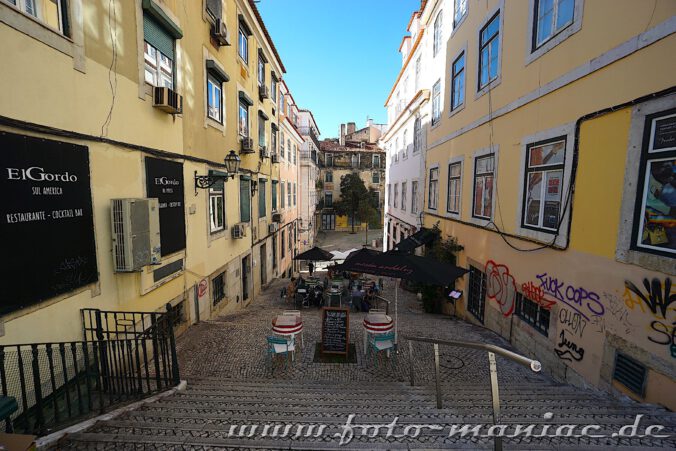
356,200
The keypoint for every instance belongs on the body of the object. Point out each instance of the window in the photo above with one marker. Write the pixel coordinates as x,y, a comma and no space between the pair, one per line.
489,51
355,161
417,74
433,194
243,119
396,195
295,197
282,247
329,160
281,196
551,17
261,70
288,150
458,82
389,194
414,197
544,184
396,150
290,242
328,177
453,199
328,199
216,205
405,151
476,300
375,161
459,11
281,146
436,44
244,200
243,44
273,141
483,187
436,102
417,135
50,12
655,214
214,106
273,90
262,211
403,196
288,194
218,288
275,183
295,152
261,131
159,68
532,313
274,251
375,177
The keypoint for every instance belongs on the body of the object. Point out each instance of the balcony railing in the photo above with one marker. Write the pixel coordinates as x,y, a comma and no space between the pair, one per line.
309,131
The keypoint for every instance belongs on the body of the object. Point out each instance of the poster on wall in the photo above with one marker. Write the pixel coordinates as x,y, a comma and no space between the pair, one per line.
46,220
164,180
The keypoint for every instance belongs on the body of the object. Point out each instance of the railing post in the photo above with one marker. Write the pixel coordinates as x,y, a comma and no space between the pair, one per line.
37,387
3,385
172,341
437,376
103,353
495,394
410,360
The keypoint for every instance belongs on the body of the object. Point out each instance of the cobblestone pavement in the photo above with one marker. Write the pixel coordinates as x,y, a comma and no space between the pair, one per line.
231,390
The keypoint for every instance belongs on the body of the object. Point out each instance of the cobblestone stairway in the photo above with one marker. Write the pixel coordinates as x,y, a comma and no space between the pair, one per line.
211,412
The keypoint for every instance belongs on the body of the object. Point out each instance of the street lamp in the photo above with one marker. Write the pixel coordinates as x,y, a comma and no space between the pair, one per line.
420,220
232,162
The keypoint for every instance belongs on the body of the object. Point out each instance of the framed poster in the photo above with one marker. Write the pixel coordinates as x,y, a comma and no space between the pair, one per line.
164,181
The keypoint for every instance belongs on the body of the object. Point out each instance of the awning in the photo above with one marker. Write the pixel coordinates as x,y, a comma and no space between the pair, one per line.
262,114
274,126
215,70
245,98
422,236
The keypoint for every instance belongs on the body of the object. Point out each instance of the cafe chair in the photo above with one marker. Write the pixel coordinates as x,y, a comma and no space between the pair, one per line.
381,342
281,346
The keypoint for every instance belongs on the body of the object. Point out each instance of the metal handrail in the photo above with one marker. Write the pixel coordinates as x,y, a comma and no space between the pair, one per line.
534,365
387,303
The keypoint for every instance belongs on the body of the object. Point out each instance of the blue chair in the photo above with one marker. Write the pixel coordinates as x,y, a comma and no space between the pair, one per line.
281,346
381,342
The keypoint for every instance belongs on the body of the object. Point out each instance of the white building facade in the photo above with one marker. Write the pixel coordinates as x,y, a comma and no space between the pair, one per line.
414,106
309,176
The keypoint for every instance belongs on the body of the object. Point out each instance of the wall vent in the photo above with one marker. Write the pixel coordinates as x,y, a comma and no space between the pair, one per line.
630,373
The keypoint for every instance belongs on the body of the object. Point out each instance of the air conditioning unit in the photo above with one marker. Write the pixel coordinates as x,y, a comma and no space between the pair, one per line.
247,145
277,217
220,33
239,230
272,228
136,233
263,92
254,232
264,152
167,100
275,158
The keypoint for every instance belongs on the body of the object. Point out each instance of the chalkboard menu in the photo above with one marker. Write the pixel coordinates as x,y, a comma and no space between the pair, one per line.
335,330
164,180
46,221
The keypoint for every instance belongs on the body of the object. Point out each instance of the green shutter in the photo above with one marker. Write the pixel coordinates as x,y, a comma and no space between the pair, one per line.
261,199
274,195
219,183
245,200
157,36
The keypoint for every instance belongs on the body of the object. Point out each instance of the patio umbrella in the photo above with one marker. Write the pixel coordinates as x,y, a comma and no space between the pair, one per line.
402,266
315,254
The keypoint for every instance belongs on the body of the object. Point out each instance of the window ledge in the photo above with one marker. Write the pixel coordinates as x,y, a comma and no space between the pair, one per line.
489,87
457,110
460,22
215,124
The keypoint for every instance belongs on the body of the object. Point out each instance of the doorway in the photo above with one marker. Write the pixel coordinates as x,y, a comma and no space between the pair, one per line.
245,277
264,266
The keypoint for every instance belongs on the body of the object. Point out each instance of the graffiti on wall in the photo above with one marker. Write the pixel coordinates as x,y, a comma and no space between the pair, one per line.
587,303
567,350
617,312
657,296
500,285
573,321
537,295
663,334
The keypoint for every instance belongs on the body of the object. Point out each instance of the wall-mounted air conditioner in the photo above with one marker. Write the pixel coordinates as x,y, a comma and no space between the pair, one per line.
136,233
167,100
220,33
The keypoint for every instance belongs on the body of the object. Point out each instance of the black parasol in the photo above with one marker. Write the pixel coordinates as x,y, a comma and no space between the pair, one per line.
315,254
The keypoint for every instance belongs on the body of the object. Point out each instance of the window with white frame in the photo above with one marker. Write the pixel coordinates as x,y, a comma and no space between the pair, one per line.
273,90
654,227
417,74
453,198
396,150
273,141
295,197
288,150
289,193
414,197
543,185
403,196
436,44
375,160
214,99
459,12
396,195
417,135
243,119
489,51
405,149
375,177
483,186
261,132
53,13
216,205
281,146
261,70
551,17
159,68
436,102
433,189
243,44
458,82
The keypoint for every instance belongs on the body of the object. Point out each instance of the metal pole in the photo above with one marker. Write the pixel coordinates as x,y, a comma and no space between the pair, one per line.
496,398
436,374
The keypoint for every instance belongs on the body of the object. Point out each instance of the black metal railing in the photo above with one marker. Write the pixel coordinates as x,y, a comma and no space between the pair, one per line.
57,384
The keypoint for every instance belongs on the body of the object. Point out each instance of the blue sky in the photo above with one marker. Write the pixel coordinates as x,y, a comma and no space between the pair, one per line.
341,56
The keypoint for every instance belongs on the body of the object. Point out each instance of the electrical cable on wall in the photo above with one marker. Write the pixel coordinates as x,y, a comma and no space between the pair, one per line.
112,69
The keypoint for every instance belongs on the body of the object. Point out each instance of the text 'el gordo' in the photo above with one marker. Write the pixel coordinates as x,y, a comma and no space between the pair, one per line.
38,174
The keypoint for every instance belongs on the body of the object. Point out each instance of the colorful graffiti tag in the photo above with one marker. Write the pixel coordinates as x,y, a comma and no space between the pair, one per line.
587,303
658,296
500,285
537,295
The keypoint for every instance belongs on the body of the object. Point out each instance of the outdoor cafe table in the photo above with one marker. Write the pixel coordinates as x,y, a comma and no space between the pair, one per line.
376,323
287,325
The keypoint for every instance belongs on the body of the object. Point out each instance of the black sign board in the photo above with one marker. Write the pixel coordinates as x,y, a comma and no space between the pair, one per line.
164,181
46,221
335,330
664,136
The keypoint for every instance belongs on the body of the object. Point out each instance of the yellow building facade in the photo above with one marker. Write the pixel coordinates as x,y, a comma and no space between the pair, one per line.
88,125
550,161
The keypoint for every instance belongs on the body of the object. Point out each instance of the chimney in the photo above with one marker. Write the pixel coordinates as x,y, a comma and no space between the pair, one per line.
351,127
342,134
369,122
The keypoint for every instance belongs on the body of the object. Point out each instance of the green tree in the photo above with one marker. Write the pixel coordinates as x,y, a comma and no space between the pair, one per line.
356,200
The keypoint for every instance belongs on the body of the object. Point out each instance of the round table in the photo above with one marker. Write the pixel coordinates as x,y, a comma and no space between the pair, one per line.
376,323
288,325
